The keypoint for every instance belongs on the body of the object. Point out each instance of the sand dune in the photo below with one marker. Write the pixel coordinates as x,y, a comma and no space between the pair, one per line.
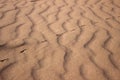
59,39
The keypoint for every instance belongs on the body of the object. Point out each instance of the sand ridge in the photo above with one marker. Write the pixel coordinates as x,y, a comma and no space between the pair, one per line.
59,40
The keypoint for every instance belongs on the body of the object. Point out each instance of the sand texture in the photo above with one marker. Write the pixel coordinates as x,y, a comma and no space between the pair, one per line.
59,39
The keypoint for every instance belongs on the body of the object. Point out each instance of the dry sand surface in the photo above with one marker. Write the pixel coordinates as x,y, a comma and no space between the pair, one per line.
59,39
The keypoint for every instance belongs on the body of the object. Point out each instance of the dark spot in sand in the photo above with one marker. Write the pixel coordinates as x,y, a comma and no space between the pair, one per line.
4,60
23,51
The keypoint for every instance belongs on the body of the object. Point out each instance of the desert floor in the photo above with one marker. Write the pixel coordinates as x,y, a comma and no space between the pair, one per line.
59,39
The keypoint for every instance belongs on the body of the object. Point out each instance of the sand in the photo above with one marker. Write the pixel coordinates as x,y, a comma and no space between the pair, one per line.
59,39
